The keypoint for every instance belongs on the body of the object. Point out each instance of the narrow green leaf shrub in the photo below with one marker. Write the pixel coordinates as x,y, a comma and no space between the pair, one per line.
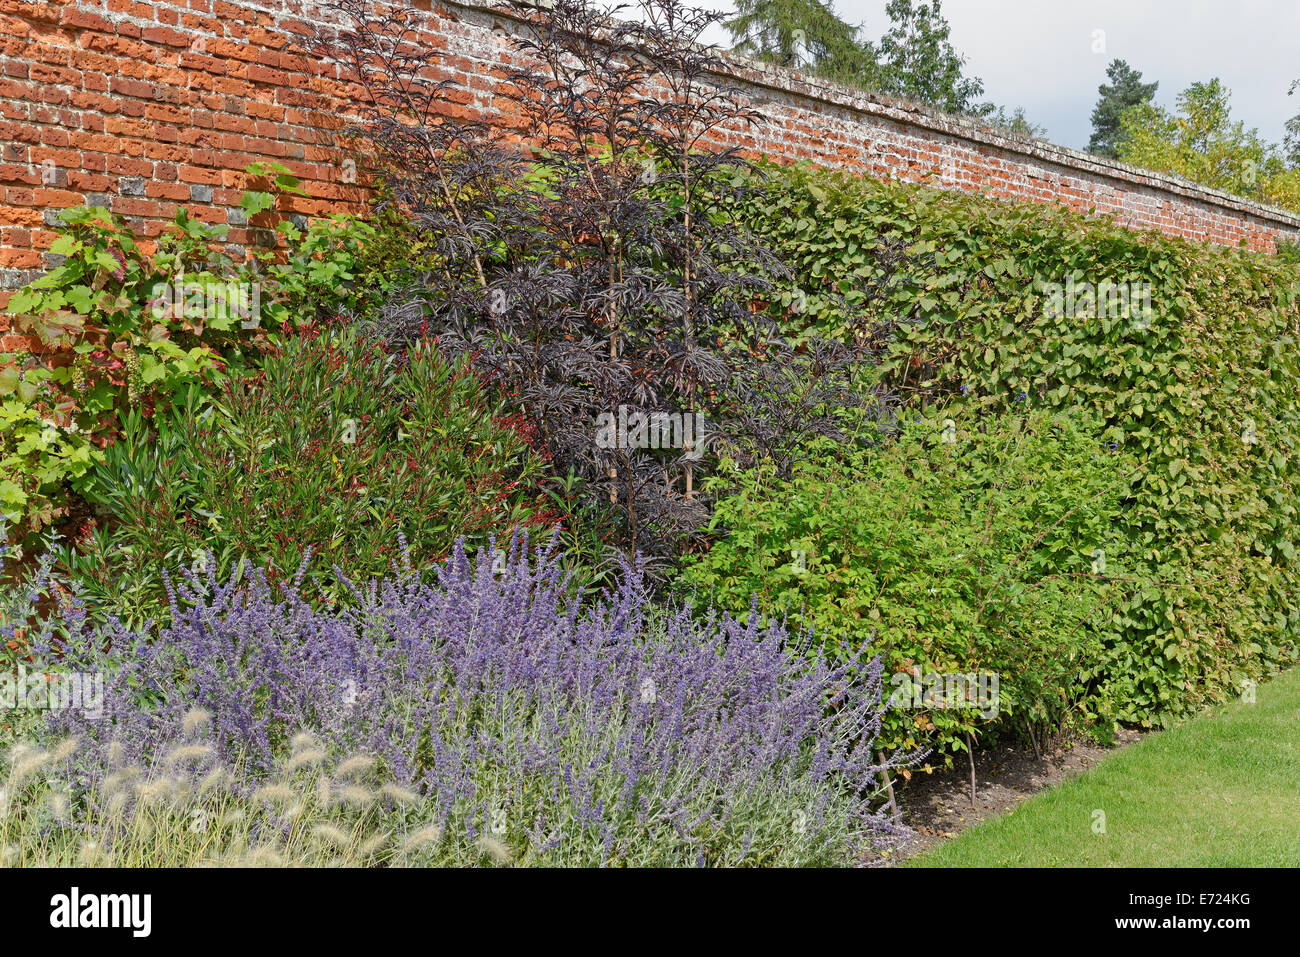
994,548
336,446
1196,375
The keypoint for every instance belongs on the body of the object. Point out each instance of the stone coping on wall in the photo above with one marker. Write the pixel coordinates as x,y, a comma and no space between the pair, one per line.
745,71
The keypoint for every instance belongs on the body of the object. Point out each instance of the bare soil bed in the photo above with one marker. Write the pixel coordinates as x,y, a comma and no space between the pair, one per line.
937,806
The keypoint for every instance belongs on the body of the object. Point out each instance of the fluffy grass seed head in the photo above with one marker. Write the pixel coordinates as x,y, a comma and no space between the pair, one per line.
275,794
264,856
355,795
331,835
495,849
308,757
188,753
30,762
195,721
65,749
357,764
213,780
92,854
400,795
372,844
424,837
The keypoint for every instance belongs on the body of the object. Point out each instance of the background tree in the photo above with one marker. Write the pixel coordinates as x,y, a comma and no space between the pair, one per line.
916,59
1014,121
801,34
1283,189
1291,144
1202,142
1124,91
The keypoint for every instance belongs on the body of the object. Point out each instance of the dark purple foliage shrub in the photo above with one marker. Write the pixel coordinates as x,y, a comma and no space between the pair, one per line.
601,272
605,732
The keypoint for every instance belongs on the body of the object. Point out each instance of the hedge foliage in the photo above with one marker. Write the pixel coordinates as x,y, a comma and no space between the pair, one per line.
972,552
1201,389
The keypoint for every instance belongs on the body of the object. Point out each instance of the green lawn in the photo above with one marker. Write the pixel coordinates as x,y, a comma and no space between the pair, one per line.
1222,790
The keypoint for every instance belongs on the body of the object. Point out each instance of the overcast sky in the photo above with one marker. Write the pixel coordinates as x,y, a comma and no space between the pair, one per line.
1039,53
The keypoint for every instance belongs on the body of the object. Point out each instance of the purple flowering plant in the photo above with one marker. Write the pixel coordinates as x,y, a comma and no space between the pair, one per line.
569,732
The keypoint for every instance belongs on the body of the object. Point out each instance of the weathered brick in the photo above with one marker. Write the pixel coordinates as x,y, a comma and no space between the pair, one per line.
151,104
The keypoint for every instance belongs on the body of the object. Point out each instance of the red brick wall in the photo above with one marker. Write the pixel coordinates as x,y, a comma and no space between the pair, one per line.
147,105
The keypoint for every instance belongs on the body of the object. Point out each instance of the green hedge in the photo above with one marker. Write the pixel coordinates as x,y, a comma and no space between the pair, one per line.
1201,390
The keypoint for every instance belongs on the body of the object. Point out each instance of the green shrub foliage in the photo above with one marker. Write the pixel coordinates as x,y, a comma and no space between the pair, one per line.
335,448
1185,352
993,549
